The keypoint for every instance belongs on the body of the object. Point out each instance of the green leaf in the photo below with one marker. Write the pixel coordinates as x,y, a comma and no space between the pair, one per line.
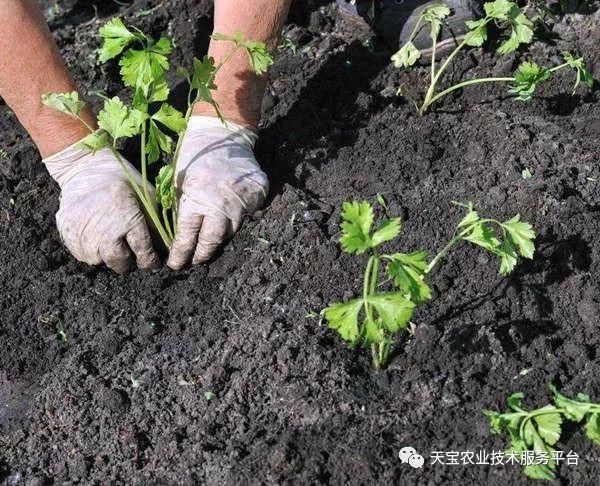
116,38
165,190
163,46
140,68
157,141
204,72
520,34
159,91
581,70
393,308
574,409
529,433
406,56
236,38
498,9
477,33
343,317
140,100
357,219
170,117
508,257
496,421
521,235
95,141
259,56
549,425
68,103
528,77
483,235
435,15
514,401
118,120
592,428
540,471
372,332
521,28
381,201
408,270
539,447
470,218
203,81
184,73
388,230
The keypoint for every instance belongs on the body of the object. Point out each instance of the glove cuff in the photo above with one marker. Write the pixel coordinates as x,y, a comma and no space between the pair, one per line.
241,134
61,165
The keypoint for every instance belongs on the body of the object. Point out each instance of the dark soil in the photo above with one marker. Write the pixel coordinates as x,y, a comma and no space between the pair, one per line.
123,400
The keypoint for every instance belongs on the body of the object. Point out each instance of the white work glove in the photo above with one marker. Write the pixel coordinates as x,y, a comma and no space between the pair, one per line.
218,182
99,218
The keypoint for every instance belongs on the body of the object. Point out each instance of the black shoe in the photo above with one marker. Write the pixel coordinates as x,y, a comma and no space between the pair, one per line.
395,20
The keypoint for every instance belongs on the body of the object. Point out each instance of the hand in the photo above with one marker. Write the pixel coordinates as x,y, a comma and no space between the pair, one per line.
99,218
218,182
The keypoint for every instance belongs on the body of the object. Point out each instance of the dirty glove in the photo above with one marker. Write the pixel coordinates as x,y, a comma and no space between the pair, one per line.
218,182
99,219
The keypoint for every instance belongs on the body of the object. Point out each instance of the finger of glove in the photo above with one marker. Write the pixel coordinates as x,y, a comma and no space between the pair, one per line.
243,200
186,237
116,256
214,231
140,242
73,241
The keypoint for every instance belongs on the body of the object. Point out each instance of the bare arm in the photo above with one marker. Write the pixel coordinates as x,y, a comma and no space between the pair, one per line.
30,65
239,90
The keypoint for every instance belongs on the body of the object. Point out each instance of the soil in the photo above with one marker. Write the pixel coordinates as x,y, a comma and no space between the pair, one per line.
218,374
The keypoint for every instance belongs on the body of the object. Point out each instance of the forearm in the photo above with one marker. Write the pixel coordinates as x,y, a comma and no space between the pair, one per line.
240,91
31,65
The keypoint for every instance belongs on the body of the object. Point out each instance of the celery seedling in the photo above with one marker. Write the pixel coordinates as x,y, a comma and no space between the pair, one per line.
511,19
374,318
540,429
144,63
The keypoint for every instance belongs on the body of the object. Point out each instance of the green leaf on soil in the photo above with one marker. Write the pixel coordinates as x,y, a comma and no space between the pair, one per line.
408,272
515,400
343,317
549,425
477,33
582,73
357,219
393,308
592,428
521,235
388,230
528,77
406,56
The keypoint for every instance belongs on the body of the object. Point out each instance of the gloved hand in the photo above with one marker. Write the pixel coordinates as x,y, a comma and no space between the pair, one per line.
99,218
218,182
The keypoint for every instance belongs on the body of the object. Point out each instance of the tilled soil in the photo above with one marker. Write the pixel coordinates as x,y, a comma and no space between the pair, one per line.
219,374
